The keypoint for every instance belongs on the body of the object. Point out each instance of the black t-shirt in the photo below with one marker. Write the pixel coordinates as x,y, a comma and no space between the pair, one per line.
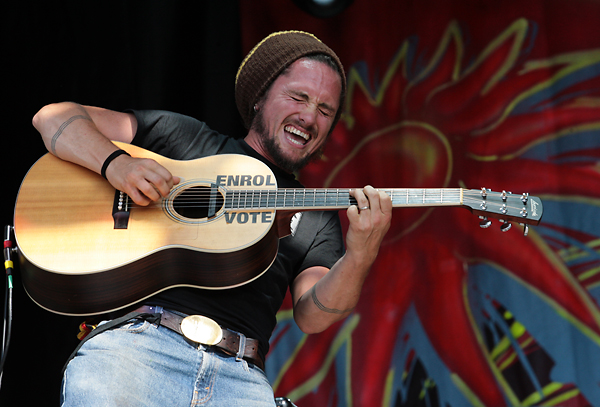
250,308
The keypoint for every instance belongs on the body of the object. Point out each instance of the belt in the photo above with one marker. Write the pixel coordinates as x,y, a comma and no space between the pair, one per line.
230,342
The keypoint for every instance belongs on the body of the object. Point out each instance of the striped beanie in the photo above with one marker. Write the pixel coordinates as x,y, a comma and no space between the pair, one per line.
271,57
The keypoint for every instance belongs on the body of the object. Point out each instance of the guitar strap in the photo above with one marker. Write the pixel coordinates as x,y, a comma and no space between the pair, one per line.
152,318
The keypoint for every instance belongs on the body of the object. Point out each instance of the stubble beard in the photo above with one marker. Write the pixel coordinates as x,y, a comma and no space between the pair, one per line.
272,148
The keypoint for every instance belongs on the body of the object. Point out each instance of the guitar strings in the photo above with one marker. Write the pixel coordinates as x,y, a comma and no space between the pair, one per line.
249,199
291,194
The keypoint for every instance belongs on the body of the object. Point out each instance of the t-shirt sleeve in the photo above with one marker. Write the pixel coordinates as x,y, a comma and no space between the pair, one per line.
174,135
328,245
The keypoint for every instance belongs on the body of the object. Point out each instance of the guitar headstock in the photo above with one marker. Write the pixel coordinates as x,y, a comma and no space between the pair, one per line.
505,206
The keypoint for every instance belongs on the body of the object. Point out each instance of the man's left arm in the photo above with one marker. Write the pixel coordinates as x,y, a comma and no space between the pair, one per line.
324,296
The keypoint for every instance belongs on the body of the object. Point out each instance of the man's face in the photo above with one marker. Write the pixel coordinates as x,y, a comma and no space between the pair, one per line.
295,117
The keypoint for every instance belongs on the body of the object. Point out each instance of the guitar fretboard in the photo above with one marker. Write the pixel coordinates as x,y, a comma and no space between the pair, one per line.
297,198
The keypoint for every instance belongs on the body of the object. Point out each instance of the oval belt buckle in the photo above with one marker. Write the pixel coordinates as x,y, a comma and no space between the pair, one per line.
201,329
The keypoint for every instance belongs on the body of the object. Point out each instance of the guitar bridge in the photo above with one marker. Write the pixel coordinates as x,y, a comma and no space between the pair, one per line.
120,211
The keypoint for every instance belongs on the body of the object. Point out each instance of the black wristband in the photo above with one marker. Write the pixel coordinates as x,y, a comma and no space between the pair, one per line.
109,159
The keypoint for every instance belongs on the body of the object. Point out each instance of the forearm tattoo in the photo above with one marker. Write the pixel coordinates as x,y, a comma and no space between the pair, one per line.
63,127
313,294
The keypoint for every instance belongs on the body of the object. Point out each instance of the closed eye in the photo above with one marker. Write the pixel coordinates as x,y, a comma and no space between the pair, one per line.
323,108
299,97
325,112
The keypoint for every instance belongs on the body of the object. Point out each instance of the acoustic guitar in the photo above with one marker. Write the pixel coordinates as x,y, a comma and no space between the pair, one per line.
85,248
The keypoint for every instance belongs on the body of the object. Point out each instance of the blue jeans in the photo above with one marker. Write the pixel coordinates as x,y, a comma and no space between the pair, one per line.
144,364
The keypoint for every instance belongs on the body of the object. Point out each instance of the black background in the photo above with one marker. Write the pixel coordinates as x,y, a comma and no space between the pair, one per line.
176,55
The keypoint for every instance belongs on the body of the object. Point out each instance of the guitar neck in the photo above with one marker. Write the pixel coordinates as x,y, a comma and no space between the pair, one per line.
334,199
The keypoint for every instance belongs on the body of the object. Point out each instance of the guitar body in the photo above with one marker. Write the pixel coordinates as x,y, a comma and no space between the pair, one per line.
76,261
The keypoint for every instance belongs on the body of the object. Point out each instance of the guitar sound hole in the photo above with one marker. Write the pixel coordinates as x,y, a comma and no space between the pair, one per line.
198,202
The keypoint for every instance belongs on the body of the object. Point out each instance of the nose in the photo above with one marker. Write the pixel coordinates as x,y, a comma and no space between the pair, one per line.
308,115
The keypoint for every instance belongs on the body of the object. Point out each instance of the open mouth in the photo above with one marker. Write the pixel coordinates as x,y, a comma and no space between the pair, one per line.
297,136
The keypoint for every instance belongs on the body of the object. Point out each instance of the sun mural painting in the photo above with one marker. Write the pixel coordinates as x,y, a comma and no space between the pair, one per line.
453,314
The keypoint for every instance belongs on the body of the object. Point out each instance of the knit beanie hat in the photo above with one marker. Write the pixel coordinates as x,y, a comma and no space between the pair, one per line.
271,57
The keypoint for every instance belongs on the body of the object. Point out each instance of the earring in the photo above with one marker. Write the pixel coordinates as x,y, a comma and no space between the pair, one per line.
256,108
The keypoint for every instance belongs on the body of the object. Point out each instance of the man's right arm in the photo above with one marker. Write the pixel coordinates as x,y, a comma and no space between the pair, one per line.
83,134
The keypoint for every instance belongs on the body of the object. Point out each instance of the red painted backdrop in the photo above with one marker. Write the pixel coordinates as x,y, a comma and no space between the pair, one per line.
447,94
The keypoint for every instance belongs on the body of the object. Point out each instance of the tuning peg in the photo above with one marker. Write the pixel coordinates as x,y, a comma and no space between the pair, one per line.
505,227
485,222
525,229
